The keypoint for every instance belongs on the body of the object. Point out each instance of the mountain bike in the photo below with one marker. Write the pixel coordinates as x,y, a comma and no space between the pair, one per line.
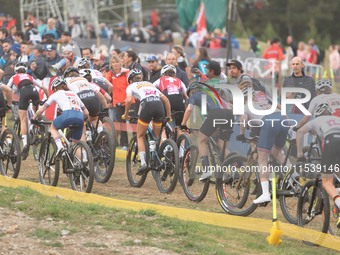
162,159
77,161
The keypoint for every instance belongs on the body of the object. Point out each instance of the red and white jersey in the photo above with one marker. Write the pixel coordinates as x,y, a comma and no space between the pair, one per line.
79,84
324,125
67,100
172,84
261,97
22,79
332,99
142,90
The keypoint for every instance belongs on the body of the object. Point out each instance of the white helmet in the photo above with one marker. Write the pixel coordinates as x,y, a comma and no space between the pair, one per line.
321,108
82,62
323,83
20,67
167,68
133,73
84,72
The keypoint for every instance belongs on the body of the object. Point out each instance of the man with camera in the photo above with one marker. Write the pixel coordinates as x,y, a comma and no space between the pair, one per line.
52,58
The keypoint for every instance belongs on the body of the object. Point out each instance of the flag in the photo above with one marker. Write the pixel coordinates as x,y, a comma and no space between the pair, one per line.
201,24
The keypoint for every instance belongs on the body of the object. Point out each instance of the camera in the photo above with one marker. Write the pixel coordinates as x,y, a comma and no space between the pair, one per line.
193,70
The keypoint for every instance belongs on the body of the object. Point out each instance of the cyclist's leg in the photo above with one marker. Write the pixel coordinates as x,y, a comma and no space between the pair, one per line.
141,131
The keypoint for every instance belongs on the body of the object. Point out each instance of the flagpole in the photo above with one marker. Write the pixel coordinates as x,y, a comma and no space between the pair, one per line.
230,17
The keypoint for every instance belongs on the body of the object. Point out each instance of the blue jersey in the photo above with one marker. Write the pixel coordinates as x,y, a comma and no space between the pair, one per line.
196,99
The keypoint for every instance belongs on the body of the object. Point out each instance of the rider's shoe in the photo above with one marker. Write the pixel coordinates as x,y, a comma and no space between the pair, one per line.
142,169
206,175
262,199
24,152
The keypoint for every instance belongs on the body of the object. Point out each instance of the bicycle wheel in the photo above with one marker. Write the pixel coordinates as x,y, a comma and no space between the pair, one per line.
108,123
11,154
194,189
183,142
49,166
319,215
237,186
105,150
17,128
168,162
38,136
133,163
83,176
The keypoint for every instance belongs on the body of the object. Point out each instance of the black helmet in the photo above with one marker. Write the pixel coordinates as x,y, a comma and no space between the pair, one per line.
69,70
133,73
57,81
20,67
194,85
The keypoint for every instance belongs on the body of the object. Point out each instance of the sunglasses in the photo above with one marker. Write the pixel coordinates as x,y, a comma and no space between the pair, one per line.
152,58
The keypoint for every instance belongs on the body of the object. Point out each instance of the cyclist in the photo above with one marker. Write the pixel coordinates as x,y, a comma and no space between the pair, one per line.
272,135
88,94
151,108
174,89
324,94
25,83
215,110
8,93
97,77
73,109
86,73
326,127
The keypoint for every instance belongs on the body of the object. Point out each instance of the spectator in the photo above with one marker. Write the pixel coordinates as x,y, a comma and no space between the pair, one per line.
42,26
274,52
213,76
2,19
172,60
180,55
292,45
32,34
118,77
88,53
301,51
166,22
76,29
50,31
59,26
154,18
98,62
207,40
70,57
334,60
103,31
154,67
185,41
214,42
167,37
91,34
254,46
131,60
104,51
299,79
31,19
115,52
10,21
193,38
19,37
66,39
12,30
38,67
201,61
122,59
123,34
136,33
236,72
52,58
6,62
312,56
3,35
153,34
26,54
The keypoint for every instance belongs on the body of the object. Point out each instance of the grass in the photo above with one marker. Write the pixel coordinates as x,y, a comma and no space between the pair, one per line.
162,232
2,234
57,244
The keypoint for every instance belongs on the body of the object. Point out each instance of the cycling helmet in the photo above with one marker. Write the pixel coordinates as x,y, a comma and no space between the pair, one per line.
69,70
193,86
84,72
133,73
20,67
321,108
57,81
244,85
167,68
82,62
323,83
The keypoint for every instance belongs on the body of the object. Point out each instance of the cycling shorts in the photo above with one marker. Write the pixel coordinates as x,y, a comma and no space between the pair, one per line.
255,131
272,132
330,154
2,104
151,108
92,104
71,117
209,126
27,93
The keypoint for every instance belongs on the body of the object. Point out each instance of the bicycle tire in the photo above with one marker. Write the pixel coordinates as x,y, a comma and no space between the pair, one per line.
106,147
108,123
322,204
85,168
48,175
231,173
170,167
17,128
11,154
182,147
43,129
194,189
133,163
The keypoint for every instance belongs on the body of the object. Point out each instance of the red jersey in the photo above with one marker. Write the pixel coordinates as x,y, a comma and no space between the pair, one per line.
23,79
164,82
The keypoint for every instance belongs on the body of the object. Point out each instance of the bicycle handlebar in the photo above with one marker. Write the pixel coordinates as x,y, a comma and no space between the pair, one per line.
40,123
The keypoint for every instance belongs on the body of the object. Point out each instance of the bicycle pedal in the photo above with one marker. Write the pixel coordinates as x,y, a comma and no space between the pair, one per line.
263,204
69,171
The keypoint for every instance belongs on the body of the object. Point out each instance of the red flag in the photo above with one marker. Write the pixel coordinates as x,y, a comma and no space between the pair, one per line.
201,24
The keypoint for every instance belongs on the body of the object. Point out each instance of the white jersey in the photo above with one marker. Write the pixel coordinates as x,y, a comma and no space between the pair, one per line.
97,75
332,99
67,100
80,85
142,90
324,125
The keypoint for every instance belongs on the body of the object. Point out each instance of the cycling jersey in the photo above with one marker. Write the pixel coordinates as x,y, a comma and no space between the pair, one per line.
22,79
324,125
332,99
67,100
262,104
143,90
98,78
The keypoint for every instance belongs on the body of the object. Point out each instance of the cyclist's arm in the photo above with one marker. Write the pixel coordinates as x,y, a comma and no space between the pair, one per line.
156,84
184,91
105,94
102,99
10,83
166,102
187,114
39,84
304,121
128,101
86,113
299,138
244,118
109,85
8,94
39,112
1,74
